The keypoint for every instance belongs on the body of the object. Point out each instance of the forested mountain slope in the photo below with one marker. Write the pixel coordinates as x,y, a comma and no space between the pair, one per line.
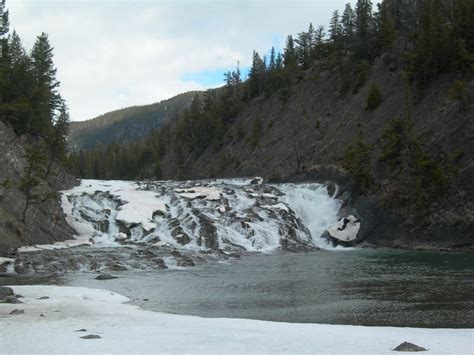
380,104
126,125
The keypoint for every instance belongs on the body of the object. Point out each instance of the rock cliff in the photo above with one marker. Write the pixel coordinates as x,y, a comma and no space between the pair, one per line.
44,222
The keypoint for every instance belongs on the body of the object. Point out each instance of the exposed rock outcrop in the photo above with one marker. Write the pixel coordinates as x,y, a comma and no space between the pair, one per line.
45,222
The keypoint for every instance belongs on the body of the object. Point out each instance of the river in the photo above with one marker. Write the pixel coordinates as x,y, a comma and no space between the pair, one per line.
232,230
358,287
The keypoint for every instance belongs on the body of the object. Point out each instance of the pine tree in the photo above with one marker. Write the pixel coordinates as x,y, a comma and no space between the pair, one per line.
289,55
16,108
4,22
32,177
319,46
4,28
257,74
357,160
47,99
304,46
58,137
348,26
384,26
335,28
363,30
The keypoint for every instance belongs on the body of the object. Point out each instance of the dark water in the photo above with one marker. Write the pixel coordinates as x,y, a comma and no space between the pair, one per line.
364,287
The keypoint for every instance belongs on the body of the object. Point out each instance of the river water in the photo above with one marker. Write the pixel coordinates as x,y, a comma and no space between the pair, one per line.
358,287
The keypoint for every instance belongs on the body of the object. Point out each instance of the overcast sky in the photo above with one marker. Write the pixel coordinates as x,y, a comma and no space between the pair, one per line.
115,53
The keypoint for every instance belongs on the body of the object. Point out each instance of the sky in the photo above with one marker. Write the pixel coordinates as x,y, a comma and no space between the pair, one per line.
112,54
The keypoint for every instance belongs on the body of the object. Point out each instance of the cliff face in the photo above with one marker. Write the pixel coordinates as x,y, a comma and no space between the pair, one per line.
44,221
312,129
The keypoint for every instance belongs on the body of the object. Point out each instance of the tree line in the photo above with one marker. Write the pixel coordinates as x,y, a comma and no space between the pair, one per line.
29,98
31,104
427,38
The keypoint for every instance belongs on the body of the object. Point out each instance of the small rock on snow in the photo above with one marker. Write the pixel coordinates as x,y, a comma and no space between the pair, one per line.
105,277
91,336
17,311
405,346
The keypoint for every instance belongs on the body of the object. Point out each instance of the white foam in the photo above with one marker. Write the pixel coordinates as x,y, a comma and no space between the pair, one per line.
313,205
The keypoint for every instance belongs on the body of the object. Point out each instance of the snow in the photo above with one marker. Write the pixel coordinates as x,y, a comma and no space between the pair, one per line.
147,208
6,260
208,193
124,328
139,206
58,245
346,229
8,265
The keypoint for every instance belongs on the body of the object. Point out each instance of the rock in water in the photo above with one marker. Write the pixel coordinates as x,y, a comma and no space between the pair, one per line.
5,292
106,277
91,336
405,346
11,299
345,230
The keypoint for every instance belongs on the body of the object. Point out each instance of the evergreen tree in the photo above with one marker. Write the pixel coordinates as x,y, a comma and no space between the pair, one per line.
16,108
46,99
271,62
384,26
32,177
303,50
58,137
363,30
335,28
4,28
318,51
289,55
4,22
357,160
348,26
257,74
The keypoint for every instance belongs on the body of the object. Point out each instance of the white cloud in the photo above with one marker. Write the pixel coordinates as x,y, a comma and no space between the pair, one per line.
113,54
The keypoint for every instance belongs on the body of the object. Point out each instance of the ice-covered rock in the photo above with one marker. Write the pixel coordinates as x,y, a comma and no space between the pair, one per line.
204,220
345,230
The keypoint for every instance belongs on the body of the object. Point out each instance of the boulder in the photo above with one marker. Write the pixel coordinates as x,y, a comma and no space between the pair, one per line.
5,292
184,262
11,299
160,263
345,230
256,181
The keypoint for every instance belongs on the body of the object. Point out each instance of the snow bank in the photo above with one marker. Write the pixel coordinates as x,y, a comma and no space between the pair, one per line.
208,193
127,329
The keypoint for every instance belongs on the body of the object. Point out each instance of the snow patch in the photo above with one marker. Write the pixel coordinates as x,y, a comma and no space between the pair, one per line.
128,329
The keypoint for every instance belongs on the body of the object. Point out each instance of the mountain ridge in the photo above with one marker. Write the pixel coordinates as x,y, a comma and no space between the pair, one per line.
127,124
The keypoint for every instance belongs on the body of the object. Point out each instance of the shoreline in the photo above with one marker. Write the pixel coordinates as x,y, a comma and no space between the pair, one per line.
50,325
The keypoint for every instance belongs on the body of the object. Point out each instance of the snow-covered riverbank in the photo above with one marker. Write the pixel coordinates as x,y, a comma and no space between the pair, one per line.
51,325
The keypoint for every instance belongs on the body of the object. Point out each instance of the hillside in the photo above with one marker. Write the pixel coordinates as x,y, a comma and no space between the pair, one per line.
381,106
310,132
126,125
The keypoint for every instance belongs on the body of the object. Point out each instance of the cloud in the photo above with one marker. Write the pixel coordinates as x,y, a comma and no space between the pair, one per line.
113,54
